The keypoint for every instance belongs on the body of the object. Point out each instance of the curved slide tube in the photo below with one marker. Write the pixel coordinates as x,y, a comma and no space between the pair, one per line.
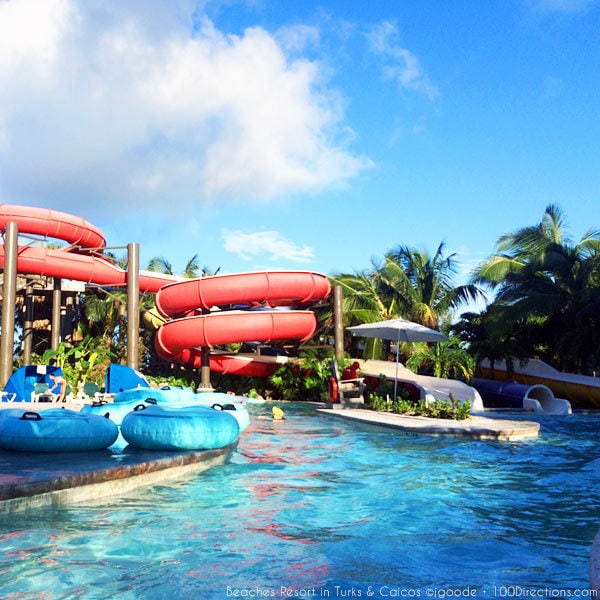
271,288
180,340
230,326
69,263
81,267
52,223
581,390
510,394
429,387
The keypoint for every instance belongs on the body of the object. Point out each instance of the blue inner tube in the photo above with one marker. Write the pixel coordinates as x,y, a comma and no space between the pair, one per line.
239,412
168,396
55,430
115,411
157,427
175,397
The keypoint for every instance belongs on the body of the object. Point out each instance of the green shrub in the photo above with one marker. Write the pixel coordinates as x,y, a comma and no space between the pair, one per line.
404,406
306,379
182,380
378,403
439,409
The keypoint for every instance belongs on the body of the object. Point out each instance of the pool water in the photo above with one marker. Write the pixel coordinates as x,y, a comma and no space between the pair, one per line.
314,507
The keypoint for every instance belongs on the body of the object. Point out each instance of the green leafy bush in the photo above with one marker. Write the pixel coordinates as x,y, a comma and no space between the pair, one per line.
307,379
173,380
439,409
86,361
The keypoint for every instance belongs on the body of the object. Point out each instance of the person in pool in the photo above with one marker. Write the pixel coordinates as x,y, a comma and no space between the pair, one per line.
277,413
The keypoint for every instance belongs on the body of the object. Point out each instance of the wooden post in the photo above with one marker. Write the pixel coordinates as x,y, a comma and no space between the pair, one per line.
56,302
338,322
9,299
205,370
133,304
28,323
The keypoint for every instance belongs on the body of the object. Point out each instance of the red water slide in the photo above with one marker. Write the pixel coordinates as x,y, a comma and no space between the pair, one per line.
180,340
82,261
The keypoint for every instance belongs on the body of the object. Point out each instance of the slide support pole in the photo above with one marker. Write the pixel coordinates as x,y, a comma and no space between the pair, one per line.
338,324
56,302
133,304
28,324
205,370
9,298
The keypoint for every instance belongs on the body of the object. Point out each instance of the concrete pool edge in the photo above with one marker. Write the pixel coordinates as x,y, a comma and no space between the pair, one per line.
476,427
52,488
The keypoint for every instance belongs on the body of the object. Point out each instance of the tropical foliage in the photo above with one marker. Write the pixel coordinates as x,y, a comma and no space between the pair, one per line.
545,290
443,359
547,294
306,379
424,285
408,283
438,409
191,270
86,361
105,314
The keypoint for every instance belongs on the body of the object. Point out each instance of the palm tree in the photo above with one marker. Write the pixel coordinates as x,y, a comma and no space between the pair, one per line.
191,270
159,264
443,359
365,302
547,286
424,285
105,312
487,337
409,284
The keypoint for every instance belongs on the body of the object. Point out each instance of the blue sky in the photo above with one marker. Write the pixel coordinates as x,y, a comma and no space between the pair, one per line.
297,134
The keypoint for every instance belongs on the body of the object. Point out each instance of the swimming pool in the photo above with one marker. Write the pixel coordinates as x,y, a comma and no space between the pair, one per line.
315,507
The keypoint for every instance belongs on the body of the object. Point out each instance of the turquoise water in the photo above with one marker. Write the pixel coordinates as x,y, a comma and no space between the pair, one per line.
315,507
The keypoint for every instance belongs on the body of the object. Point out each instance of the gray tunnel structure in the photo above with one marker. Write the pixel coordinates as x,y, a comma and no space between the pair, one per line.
510,394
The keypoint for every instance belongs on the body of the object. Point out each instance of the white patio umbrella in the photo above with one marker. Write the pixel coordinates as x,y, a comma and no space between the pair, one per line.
397,330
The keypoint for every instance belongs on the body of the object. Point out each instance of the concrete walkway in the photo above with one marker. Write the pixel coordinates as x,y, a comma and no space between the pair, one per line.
31,480
477,427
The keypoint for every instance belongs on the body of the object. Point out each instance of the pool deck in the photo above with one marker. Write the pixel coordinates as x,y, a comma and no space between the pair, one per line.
34,479
31,480
477,427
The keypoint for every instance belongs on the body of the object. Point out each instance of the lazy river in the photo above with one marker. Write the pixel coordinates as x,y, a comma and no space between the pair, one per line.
316,507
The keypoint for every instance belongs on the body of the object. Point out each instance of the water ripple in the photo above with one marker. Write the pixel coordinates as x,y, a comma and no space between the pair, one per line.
313,502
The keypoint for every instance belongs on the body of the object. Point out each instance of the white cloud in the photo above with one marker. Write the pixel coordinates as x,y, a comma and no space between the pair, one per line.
297,38
37,44
249,246
402,66
128,102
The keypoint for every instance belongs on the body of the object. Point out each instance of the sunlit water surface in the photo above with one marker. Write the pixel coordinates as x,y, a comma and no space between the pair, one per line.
316,507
